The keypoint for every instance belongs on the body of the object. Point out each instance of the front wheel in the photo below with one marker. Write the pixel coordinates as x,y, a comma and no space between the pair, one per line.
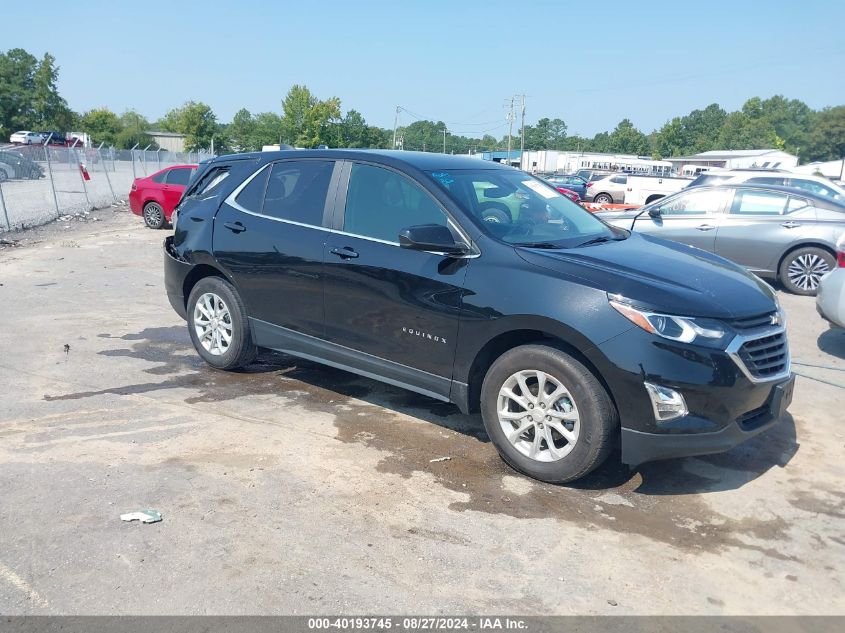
803,268
546,413
218,324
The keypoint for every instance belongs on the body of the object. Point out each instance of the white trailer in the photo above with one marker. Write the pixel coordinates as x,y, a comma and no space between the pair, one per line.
646,189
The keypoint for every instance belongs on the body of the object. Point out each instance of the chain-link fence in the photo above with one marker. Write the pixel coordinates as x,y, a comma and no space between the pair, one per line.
41,183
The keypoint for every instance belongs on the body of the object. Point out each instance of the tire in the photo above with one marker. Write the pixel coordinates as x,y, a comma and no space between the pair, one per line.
214,293
154,215
495,214
603,198
801,270
592,415
3,175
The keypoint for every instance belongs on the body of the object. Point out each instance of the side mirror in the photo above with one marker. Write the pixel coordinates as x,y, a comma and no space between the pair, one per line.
433,238
654,212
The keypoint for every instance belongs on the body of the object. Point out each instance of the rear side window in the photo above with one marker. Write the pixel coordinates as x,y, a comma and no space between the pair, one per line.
758,203
179,176
708,180
766,180
296,191
159,177
620,180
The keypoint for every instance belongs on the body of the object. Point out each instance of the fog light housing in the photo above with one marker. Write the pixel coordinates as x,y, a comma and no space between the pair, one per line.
667,404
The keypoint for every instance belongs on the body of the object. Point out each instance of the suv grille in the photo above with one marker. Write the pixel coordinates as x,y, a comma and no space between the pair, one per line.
748,323
765,357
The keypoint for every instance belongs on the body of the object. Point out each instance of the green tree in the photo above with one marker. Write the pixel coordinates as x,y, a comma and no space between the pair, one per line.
196,121
268,129
133,130
353,130
747,129
49,108
627,139
827,139
241,131
546,134
17,72
102,125
295,107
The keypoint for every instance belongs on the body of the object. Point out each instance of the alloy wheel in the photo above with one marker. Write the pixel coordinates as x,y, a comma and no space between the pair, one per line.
154,215
213,324
538,415
805,271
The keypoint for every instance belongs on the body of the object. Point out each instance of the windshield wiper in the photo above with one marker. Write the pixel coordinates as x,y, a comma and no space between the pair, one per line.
601,239
538,245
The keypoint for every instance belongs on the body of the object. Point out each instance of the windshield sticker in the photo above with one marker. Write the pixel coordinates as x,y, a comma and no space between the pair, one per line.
536,187
443,178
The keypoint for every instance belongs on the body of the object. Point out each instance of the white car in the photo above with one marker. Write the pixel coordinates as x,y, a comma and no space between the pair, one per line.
818,185
26,137
830,296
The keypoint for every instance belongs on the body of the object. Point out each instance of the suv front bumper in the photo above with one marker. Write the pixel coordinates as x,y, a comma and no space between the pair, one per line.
639,447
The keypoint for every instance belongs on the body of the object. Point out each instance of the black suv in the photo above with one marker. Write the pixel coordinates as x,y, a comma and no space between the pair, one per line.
563,331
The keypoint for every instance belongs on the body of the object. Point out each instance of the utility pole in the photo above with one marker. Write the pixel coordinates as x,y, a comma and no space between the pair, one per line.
444,139
522,139
395,125
510,131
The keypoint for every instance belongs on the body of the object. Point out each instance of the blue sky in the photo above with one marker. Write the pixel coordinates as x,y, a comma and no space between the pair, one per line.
589,63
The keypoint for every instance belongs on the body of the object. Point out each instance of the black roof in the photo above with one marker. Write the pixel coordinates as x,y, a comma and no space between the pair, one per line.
421,160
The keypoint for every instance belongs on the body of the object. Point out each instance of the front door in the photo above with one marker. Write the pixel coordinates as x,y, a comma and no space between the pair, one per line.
691,217
397,305
269,234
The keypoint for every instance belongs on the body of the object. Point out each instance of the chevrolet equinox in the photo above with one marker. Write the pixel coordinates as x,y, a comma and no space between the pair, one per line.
570,336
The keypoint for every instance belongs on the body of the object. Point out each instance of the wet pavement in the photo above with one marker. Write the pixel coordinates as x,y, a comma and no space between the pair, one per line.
290,487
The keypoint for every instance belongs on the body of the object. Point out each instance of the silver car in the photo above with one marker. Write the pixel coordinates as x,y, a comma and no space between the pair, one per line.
830,300
775,232
607,190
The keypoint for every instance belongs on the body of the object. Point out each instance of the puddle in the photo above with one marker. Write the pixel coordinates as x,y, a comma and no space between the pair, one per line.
661,502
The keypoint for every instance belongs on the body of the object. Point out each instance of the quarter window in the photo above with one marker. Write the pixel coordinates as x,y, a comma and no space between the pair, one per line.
381,203
252,196
758,203
296,191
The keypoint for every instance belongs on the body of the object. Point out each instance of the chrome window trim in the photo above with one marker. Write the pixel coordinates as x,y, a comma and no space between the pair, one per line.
231,199
740,339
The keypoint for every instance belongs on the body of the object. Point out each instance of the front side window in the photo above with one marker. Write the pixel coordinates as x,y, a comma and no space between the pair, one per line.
694,202
296,191
380,203
758,203
521,210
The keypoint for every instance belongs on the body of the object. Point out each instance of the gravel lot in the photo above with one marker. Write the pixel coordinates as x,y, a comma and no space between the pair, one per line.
292,488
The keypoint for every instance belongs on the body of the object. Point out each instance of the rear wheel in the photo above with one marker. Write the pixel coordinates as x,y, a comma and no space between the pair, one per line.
603,198
802,269
546,413
154,215
218,324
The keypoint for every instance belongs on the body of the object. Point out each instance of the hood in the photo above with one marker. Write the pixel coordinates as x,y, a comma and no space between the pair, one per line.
662,276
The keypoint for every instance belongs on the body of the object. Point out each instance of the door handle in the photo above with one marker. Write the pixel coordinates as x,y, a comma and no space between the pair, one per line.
791,224
705,227
235,227
346,252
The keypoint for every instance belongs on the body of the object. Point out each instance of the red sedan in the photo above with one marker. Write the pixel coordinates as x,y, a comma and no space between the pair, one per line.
568,193
155,196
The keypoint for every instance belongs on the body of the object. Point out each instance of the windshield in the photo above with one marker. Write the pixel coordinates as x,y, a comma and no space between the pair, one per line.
521,210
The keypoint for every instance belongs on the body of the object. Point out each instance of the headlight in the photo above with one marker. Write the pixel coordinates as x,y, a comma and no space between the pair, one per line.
675,328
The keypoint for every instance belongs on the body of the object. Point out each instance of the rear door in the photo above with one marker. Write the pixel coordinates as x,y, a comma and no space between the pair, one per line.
760,226
392,303
269,234
690,217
